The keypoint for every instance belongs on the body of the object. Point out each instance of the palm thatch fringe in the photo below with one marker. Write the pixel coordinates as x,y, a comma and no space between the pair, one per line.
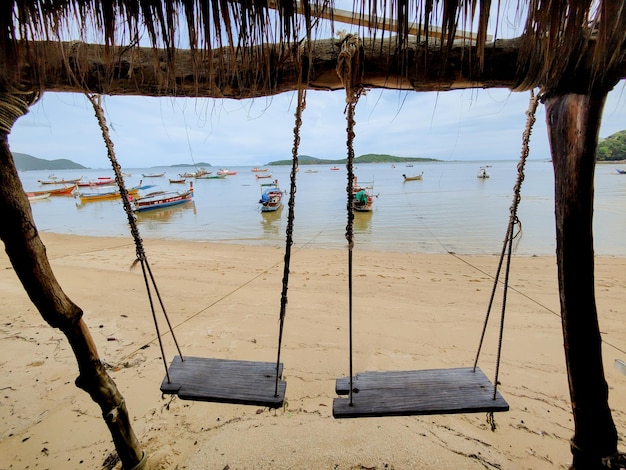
562,37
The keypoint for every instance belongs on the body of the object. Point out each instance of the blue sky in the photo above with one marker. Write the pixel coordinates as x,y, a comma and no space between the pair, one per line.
455,125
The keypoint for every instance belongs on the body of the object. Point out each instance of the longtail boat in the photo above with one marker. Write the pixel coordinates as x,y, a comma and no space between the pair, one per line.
37,197
160,199
106,195
60,181
66,191
102,181
271,197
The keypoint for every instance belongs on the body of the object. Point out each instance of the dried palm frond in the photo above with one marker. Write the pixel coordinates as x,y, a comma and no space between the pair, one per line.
565,42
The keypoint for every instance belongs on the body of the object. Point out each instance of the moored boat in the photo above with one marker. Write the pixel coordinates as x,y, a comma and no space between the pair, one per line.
482,173
363,199
55,180
177,180
210,176
268,175
105,195
37,197
101,181
620,171
271,197
259,169
66,191
160,199
414,177
153,175
225,171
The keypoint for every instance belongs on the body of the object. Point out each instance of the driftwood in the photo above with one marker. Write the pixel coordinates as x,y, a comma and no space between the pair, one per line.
573,122
28,257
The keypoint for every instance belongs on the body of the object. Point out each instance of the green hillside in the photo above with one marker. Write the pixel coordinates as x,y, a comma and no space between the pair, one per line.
28,162
613,148
368,158
189,165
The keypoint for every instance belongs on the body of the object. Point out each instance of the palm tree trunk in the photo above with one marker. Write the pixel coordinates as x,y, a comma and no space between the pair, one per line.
573,122
28,257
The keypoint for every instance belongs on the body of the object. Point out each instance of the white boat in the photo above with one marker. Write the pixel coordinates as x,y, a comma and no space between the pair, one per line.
482,173
38,196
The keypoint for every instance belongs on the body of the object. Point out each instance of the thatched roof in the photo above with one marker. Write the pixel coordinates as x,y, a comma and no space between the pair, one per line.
566,45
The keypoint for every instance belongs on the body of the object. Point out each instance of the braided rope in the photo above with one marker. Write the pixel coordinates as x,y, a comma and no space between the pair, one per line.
141,258
290,221
507,247
349,71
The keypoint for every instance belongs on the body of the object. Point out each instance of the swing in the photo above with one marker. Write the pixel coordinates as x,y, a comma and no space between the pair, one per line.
417,392
212,379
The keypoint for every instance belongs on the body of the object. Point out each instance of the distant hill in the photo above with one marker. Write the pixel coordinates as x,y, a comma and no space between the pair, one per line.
368,158
613,148
200,164
28,162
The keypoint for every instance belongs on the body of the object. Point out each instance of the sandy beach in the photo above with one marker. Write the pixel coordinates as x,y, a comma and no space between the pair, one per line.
411,311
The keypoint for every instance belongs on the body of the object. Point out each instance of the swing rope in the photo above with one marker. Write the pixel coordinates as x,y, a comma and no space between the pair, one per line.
96,102
290,219
350,72
507,245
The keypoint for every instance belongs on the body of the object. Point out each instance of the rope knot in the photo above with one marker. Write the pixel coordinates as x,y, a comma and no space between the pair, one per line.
349,67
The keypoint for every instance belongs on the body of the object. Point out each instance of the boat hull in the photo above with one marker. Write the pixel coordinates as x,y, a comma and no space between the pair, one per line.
150,203
271,207
106,196
271,197
67,191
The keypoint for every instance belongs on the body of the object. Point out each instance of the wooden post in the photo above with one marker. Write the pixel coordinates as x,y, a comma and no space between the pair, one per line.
28,257
573,122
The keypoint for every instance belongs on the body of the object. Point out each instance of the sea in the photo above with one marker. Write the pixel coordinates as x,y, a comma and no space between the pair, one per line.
449,210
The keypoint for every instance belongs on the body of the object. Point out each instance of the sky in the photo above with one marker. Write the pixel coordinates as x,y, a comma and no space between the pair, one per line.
472,124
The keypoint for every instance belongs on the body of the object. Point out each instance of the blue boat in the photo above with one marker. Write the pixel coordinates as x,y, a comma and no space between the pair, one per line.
160,199
271,197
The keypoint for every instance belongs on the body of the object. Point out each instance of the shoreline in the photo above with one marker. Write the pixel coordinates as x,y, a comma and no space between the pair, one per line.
412,311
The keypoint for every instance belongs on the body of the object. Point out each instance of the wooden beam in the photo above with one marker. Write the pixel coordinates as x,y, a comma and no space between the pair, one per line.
264,70
254,72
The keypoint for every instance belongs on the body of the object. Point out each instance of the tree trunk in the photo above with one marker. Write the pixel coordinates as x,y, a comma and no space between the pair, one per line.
573,122
28,257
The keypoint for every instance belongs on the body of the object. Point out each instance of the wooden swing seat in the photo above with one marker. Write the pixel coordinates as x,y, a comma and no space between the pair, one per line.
225,381
417,392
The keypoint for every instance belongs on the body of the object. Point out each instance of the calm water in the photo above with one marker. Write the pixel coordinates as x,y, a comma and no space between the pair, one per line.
449,210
